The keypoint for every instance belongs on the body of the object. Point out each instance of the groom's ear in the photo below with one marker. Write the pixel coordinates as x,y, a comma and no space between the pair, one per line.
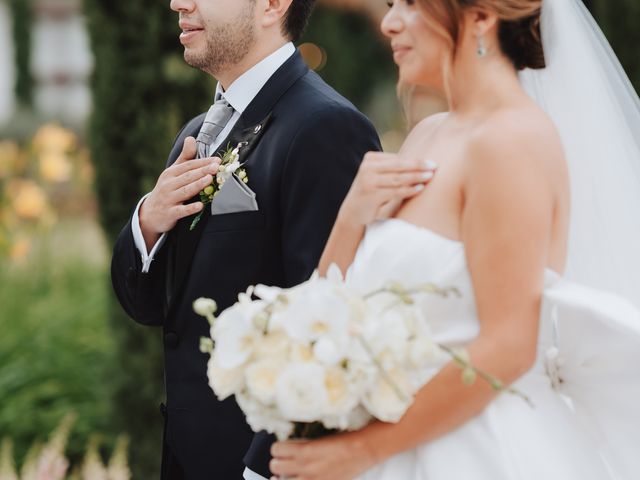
273,12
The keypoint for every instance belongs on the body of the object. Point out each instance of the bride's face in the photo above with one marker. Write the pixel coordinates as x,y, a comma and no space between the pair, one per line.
419,49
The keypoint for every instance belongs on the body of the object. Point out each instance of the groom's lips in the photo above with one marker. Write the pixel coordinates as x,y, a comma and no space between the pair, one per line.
189,32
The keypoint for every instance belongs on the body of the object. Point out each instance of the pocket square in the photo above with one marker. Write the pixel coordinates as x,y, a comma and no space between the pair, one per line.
235,196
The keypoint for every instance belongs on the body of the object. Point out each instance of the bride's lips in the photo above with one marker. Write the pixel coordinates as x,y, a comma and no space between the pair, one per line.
189,32
399,52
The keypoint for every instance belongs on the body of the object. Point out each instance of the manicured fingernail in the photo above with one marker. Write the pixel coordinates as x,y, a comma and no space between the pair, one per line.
419,187
430,164
427,175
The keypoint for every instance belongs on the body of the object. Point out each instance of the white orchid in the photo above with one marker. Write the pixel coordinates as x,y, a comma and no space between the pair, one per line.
322,352
224,381
235,335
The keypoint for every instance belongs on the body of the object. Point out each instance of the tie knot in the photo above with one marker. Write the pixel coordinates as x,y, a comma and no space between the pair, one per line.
216,119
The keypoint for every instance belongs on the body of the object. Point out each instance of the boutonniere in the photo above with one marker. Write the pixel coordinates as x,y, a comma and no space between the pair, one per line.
230,165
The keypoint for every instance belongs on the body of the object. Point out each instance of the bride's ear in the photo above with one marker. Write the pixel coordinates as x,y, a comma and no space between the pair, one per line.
480,21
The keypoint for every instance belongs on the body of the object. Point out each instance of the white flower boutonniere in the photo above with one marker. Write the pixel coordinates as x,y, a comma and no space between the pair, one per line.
230,165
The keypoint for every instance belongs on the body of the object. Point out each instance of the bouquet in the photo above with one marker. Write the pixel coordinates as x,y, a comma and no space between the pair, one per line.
322,357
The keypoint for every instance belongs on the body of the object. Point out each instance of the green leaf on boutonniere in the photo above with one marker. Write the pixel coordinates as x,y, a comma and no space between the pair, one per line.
229,165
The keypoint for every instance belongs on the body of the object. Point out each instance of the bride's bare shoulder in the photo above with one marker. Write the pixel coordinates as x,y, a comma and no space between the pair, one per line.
424,128
524,135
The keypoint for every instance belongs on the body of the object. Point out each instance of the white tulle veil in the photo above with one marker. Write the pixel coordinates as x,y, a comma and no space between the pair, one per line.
597,112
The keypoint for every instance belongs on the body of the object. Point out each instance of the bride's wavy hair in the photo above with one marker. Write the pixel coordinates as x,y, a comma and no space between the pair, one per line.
518,28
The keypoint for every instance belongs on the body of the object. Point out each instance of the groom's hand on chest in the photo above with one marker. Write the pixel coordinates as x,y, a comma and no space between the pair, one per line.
182,181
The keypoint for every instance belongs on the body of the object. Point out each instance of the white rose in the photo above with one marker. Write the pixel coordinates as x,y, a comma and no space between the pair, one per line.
301,394
356,419
260,417
261,379
301,353
340,396
389,402
224,382
328,352
274,345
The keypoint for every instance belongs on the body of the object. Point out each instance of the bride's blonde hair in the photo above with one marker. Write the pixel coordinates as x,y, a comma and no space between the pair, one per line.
518,30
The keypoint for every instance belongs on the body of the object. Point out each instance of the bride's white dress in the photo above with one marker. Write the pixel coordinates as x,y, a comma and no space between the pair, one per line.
585,384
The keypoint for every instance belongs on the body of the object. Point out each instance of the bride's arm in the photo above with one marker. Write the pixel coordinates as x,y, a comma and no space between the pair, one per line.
506,227
383,182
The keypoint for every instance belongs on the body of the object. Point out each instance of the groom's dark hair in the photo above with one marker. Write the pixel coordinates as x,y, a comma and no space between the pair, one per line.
297,18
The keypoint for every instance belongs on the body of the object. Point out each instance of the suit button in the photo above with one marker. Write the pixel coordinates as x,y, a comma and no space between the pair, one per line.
130,278
171,340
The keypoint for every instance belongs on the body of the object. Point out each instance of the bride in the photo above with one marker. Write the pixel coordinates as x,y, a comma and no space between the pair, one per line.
537,175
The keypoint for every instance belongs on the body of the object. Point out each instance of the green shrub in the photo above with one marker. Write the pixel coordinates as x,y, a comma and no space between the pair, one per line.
55,351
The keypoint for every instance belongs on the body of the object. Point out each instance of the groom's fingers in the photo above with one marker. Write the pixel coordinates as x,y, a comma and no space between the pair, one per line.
194,175
182,168
190,190
182,211
189,151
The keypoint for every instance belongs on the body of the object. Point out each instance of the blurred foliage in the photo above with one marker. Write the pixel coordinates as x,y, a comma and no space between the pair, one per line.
48,460
55,350
51,174
620,20
22,19
143,93
357,59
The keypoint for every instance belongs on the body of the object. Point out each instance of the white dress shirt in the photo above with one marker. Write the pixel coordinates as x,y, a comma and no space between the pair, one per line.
239,95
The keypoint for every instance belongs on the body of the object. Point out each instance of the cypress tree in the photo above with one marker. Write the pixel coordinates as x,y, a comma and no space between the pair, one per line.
142,94
620,21
22,18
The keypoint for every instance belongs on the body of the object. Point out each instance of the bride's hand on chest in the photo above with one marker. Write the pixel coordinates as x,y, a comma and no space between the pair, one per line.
384,181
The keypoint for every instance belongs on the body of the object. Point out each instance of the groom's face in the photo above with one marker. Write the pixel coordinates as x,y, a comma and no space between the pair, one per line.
216,34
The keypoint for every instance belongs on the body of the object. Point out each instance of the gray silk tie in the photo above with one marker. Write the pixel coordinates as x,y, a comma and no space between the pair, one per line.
217,118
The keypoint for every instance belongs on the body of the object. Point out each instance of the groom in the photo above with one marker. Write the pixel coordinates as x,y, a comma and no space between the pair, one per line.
301,147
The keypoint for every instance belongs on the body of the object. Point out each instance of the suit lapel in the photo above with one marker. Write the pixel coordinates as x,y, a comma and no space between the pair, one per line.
250,128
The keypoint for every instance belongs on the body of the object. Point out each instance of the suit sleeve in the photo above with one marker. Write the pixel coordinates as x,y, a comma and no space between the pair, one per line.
322,162
143,294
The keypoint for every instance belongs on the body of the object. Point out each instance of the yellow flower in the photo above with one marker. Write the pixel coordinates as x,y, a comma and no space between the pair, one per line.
28,199
9,155
55,166
20,249
54,138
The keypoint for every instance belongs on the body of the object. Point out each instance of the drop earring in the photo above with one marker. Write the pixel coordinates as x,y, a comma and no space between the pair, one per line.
482,49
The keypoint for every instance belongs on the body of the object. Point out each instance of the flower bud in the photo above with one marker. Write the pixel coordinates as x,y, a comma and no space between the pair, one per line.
205,306
469,376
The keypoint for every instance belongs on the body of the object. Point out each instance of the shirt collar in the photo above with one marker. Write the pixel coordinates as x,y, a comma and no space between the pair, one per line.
241,92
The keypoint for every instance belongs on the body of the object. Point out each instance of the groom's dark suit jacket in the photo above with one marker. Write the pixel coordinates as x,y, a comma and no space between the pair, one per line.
305,143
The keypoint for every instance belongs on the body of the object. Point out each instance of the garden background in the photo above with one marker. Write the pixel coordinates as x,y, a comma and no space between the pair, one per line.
95,90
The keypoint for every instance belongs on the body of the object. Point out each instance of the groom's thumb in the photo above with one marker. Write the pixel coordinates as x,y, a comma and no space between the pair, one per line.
189,150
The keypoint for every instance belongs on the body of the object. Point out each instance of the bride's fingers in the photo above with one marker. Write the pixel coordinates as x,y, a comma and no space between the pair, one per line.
284,467
392,199
397,180
405,166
